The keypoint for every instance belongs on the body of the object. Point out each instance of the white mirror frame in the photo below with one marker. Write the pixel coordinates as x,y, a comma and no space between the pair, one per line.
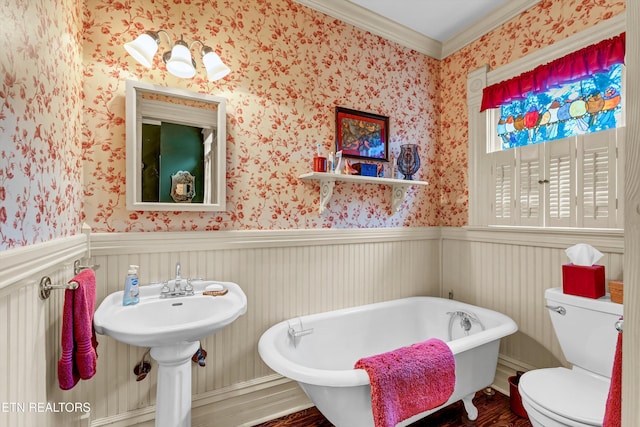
181,114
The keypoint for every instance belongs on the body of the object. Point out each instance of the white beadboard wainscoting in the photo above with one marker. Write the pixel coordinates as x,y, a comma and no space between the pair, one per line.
284,274
508,270
30,334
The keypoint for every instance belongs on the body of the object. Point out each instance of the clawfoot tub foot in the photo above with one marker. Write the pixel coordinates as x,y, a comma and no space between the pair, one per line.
472,411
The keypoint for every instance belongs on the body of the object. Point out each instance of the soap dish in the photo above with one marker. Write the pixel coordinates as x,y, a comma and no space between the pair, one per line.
215,293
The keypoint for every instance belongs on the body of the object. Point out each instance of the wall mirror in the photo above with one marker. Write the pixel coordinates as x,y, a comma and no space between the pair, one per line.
176,149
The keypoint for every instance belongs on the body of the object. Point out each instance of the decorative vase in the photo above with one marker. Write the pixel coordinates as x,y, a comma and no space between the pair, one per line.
408,160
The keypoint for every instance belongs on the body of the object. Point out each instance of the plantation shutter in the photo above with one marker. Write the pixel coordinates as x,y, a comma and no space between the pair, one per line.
528,163
502,177
571,182
560,189
596,178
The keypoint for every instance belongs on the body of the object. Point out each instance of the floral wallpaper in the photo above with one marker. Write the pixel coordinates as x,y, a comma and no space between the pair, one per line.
41,190
291,66
542,25
62,115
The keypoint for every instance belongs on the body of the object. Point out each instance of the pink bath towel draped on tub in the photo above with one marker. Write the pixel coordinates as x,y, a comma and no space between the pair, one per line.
409,380
78,341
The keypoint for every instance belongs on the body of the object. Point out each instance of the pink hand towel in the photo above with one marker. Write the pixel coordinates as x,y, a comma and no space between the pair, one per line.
79,342
613,410
409,380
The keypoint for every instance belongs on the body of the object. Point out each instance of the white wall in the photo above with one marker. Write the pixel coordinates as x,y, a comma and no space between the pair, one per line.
30,331
631,347
508,271
284,274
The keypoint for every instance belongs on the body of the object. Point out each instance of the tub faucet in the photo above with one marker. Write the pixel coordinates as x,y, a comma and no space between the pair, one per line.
466,321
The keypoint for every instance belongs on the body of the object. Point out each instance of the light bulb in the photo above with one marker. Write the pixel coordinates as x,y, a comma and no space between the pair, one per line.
180,63
144,47
216,69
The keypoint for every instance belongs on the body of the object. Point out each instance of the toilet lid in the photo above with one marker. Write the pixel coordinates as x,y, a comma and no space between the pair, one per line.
572,394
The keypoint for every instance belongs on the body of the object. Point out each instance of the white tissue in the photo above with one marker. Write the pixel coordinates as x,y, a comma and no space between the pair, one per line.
583,254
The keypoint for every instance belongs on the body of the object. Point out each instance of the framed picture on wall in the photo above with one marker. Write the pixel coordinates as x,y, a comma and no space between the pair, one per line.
362,135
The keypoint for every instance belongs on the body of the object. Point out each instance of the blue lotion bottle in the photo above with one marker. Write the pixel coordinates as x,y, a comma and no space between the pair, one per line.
131,292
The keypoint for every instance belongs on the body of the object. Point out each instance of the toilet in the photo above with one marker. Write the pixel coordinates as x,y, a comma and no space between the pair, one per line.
585,328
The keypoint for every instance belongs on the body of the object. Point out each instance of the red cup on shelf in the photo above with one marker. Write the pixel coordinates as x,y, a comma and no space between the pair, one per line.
319,164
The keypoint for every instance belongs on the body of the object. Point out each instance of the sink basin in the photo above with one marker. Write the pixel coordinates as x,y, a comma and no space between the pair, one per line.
172,327
156,321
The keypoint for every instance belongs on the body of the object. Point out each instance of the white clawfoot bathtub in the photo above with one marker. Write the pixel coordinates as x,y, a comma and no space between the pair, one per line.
319,350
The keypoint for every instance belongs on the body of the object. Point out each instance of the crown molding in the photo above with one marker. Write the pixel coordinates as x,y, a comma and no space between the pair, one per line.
364,19
358,16
490,22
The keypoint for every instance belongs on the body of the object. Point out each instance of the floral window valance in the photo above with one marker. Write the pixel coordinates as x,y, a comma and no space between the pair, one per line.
570,68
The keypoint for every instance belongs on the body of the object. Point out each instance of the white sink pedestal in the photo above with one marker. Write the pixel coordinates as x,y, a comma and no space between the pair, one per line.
173,401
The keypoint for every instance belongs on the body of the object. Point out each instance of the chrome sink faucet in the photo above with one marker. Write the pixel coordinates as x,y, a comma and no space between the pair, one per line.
178,290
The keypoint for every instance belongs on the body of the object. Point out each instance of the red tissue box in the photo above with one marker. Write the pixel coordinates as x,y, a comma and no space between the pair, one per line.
583,280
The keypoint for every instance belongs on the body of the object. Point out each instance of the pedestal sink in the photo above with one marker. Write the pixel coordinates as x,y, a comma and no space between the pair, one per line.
173,328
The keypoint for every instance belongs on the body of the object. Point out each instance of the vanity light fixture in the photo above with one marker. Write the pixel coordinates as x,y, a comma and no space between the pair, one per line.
178,60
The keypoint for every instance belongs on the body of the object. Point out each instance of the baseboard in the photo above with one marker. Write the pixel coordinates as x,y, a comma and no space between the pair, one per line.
506,368
272,397
240,405
254,402
280,396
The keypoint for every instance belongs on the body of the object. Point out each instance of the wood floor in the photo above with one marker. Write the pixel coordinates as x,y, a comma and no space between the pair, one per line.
492,411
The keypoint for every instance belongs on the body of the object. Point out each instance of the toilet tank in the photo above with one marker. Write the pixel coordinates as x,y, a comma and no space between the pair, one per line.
586,331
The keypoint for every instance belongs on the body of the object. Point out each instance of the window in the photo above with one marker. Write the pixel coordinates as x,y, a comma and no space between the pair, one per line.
553,175
551,157
589,105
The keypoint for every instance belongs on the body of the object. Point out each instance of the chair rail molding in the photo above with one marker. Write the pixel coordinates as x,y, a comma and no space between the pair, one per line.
144,242
24,262
610,240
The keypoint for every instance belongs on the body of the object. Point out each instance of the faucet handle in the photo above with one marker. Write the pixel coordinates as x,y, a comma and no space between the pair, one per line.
188,289
165,289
